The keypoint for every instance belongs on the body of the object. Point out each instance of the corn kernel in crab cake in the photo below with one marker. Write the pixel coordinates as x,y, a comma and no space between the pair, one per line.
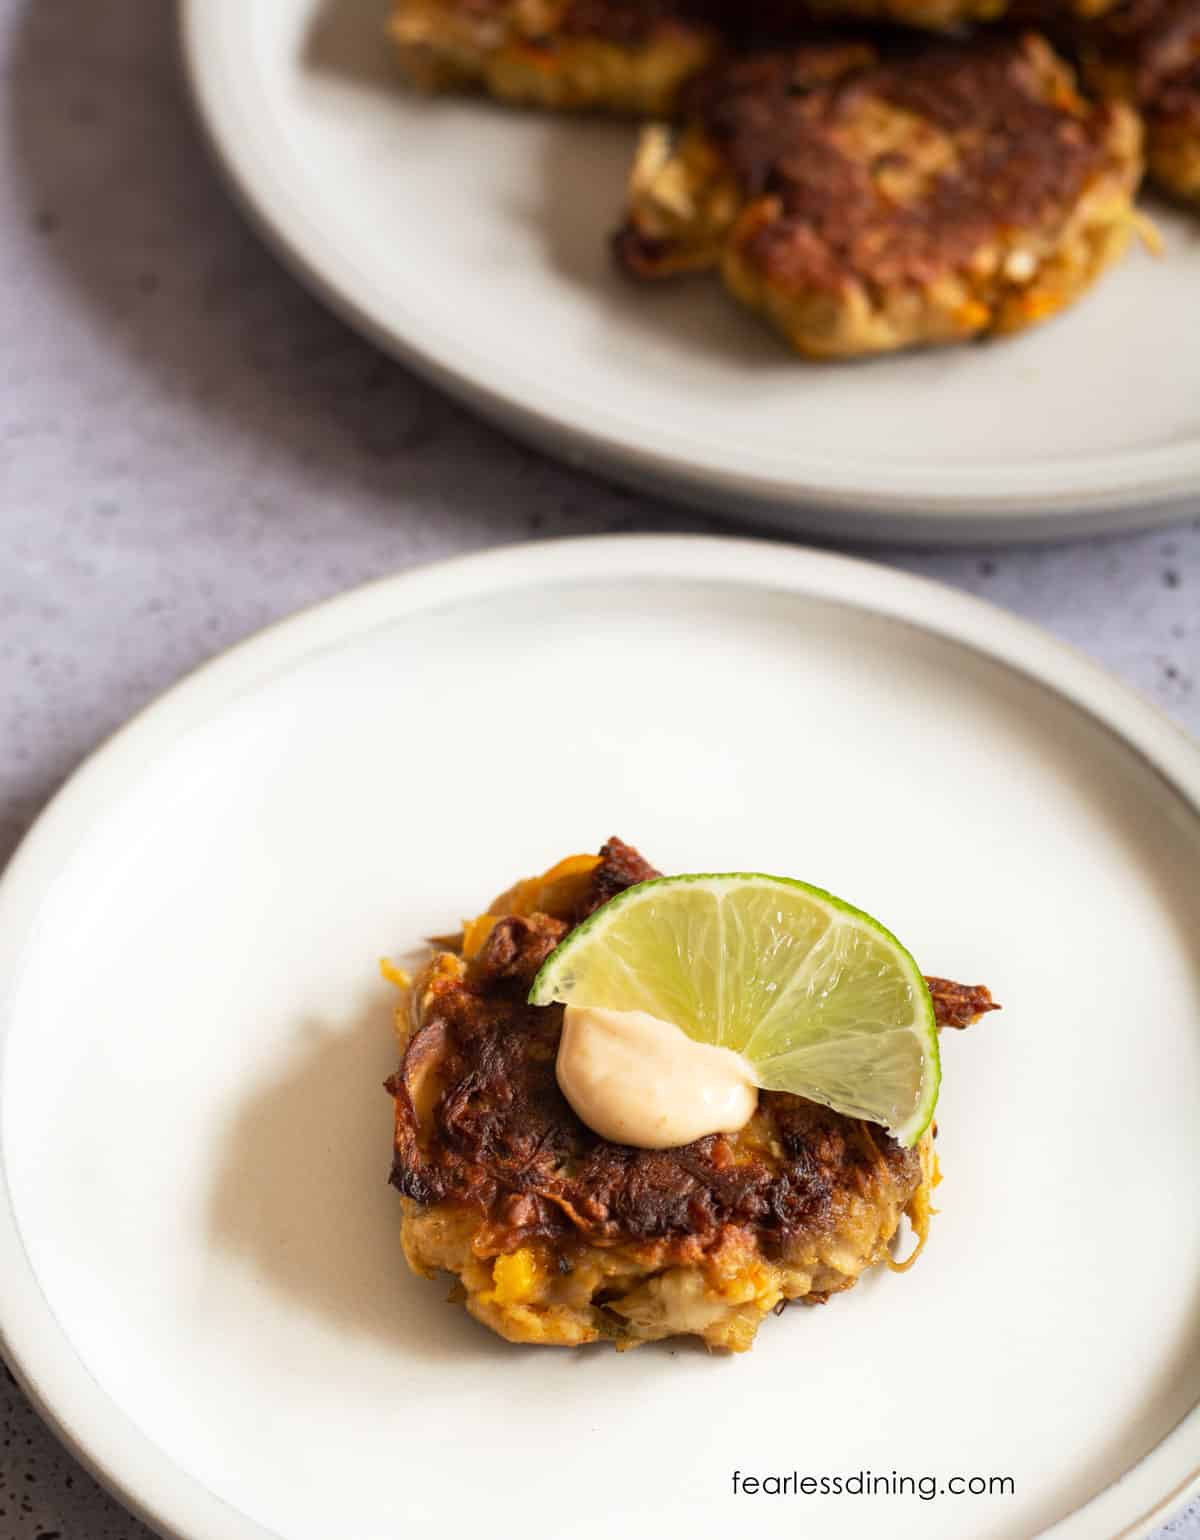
559,1237
1147,52
627,56
864,201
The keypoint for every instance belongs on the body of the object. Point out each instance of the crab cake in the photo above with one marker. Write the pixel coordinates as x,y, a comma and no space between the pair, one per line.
621,55
1148,53
558,1236
864,202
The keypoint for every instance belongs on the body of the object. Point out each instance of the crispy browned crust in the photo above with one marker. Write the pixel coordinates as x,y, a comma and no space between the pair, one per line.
1147,52
1153,42
959,1005
621,867
481,1122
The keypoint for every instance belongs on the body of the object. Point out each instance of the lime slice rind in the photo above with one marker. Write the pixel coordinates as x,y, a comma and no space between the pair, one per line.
821,999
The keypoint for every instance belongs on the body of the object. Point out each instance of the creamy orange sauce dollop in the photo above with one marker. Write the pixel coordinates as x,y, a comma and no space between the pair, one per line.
635,1079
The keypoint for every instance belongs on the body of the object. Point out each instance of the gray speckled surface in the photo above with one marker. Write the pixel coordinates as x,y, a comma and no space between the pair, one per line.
192,447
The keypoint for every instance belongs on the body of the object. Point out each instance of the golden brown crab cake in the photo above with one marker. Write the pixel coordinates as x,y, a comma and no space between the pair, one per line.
557,1236
865,201
628,56
1147,52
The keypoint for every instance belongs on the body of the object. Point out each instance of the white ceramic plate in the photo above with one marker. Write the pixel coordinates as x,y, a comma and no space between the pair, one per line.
472,241
200,1276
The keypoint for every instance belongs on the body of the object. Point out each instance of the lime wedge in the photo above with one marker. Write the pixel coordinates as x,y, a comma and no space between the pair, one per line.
818,997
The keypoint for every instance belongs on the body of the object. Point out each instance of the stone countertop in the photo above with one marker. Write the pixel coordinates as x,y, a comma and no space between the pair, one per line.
192,447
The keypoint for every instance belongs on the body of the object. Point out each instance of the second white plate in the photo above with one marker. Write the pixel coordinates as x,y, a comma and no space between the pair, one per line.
200,1272
472,241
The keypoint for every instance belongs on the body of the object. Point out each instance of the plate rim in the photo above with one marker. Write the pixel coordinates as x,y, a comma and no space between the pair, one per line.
888,501
91,1423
